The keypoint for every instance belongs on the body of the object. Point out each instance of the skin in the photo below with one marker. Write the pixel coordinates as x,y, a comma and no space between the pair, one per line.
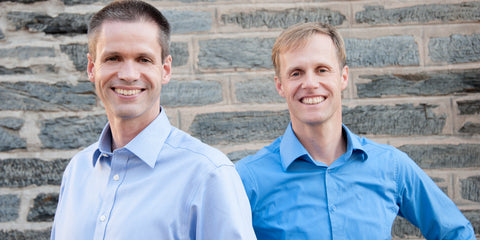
128,73
311,80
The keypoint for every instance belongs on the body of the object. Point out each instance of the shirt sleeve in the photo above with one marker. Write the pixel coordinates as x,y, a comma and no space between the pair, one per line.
220,208
423,204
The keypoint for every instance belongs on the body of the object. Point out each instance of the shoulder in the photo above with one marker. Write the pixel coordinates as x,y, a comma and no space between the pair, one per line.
182,143
268,155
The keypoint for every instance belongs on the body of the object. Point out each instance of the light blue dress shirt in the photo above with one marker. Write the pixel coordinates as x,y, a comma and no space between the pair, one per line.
164,184
357,197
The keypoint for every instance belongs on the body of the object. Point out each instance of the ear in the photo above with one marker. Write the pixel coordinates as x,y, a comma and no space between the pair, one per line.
167,70
344,78
279,86
90,68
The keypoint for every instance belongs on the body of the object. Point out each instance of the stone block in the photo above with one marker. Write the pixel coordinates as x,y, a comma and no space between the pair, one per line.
469,107
36,96
237,155
25,53
25,234
78,54
64,23
179,52
420,84
470,188
9,207
239,127
191,93
420,14
2,36
470,128
77,2
435,156
71,132
474,217
283,18
188,21
455,49
18,172
402,228
9,134
382,51
260,90
249,53
44,206
398,120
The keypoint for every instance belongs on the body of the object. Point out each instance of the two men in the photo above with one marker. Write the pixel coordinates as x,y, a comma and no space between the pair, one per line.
321,181
144,179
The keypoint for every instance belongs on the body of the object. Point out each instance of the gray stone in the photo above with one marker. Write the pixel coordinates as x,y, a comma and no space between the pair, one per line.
71,132
434,156
35,69
179,52
474,217
470,128
44,206
9,134
420,84
2,36
284,18
402,228
239,127
25,235
382,51
77,2
191,93
249,53
469,107
455,49
33,96
470,188
17,172
23,1
9,207
260,90
398,120
25,53
420,14
188,21
15,70
64,23
78,54
237,155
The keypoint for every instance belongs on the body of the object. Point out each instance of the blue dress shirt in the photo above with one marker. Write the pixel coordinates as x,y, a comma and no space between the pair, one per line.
164,184
357,197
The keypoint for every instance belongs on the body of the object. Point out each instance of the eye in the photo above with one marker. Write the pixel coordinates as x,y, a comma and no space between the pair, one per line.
145,60
322,70
111,59
295,74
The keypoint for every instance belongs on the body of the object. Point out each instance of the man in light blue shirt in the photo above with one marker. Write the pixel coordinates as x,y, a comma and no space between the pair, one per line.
321,181
144,179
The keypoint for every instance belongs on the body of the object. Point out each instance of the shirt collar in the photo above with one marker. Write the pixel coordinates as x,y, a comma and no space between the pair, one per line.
291,149
146,145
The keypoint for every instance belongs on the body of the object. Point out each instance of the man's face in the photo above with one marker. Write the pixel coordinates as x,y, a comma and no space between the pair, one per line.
128,71
311,81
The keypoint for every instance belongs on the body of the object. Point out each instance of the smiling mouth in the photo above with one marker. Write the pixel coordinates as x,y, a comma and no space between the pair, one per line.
127,92
312,100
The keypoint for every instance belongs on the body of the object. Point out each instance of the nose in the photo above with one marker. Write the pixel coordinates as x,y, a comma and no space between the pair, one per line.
310,81
128,71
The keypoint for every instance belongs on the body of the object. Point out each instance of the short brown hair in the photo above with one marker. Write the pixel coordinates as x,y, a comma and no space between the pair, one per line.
129,11
297,36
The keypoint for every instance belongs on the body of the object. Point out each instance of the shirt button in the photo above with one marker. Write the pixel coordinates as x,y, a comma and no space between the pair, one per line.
102,218
116,177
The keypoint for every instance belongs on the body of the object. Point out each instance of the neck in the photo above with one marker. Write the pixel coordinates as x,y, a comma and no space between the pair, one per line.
125,130
324,142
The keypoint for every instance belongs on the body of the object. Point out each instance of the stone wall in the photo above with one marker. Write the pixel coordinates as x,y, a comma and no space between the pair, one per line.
415,84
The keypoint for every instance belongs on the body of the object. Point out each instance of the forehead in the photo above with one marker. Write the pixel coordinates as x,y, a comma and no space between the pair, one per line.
126,35
316,48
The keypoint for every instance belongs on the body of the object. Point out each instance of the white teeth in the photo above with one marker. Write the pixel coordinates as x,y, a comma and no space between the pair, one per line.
127,92
313,100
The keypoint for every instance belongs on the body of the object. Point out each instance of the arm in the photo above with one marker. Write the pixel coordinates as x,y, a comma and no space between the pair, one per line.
221,207
423,204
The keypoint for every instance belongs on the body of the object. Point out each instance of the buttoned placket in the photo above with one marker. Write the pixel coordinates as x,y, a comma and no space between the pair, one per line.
117,173
332,193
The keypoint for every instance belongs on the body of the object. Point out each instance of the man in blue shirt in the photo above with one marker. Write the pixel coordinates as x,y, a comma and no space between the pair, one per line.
321,181
144,179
